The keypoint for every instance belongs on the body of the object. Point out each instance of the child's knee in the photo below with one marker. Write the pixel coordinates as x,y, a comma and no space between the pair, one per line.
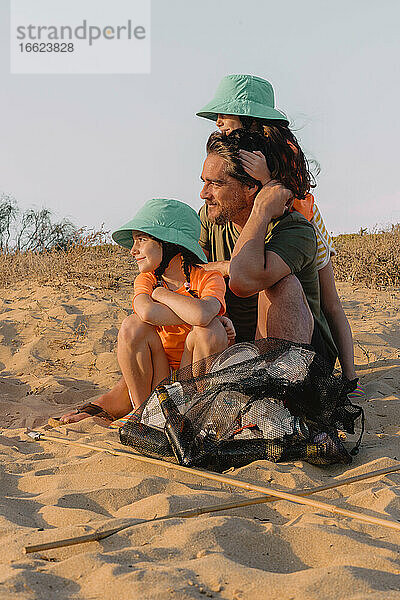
214,334
133,329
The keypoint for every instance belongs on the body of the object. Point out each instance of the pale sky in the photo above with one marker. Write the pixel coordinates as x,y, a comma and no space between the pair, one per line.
94,148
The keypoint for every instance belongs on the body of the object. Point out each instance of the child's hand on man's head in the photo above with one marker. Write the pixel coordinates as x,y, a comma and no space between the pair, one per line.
255,165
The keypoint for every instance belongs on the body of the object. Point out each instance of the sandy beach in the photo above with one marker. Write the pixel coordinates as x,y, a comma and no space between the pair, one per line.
56,351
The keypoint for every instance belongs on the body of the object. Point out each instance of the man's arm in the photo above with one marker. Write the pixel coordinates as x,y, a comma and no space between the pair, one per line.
155,313
194,311
247,272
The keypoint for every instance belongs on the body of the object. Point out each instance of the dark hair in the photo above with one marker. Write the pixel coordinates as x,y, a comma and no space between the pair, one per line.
285,158
228,148
170,250
279,133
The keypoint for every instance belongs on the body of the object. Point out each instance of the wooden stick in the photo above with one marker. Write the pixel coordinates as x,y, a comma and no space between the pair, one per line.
89,537
232,482
195,512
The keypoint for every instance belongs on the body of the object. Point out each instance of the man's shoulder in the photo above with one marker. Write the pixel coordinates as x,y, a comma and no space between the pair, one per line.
292,237
292,221
295,217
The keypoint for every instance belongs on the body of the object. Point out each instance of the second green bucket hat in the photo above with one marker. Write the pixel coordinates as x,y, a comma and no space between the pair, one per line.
167,220
243,95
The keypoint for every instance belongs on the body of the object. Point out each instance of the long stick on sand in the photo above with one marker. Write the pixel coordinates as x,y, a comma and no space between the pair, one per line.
227,480
195,512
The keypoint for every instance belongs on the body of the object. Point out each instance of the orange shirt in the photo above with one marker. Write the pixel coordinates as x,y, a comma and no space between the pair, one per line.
206,284
305,207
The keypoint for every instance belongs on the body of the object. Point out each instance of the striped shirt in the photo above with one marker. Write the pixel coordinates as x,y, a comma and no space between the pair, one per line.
325,245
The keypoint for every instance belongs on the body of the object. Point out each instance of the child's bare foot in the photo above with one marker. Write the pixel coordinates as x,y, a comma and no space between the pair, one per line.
112,405
84,411
73,417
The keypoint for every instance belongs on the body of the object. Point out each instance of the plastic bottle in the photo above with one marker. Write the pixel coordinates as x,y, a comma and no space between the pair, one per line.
237,453
146,440
178,428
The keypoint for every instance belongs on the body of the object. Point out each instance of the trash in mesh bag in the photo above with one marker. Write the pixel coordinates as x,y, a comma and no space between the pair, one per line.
271,418
269,399
152,414
147,440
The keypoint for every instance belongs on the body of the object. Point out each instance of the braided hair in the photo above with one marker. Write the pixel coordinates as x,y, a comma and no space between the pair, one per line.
189,260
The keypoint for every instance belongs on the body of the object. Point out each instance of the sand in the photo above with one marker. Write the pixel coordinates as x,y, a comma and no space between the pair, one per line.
57,350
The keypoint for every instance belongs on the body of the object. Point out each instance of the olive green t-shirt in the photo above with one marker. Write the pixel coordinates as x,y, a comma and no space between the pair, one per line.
292,237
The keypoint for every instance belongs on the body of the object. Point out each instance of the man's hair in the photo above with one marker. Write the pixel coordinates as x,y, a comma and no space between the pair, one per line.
285,159
228,146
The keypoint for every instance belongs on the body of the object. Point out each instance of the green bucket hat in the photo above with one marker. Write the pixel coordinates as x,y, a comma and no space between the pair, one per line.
243,95
167,220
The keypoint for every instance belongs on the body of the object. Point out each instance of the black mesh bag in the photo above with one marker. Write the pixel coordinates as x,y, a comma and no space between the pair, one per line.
269,399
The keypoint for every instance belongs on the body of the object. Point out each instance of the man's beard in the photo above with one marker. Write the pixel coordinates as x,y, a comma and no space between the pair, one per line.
220,219
228,212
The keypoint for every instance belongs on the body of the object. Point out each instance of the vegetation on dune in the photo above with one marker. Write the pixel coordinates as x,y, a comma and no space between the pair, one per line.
371,258
98,266
34,247
32,230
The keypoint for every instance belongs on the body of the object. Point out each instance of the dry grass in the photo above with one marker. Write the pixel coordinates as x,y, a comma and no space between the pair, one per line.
372,259
369,258
95,267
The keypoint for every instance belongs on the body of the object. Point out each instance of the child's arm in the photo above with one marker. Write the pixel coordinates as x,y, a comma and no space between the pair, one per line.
255,165
194,311
153,312
337,320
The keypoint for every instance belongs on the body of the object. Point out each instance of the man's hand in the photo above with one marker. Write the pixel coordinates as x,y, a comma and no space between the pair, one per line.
273,200
255,165
229,328
222,266
252,269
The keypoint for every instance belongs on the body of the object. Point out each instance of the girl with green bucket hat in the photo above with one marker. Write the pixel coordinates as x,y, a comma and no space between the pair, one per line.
248,102
176,304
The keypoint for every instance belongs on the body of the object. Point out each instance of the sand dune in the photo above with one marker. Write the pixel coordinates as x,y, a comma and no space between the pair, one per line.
57,350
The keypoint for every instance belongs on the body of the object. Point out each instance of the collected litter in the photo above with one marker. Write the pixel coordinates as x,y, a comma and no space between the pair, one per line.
269,399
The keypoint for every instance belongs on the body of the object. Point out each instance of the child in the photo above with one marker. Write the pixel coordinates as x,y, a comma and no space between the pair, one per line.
245,101
175,305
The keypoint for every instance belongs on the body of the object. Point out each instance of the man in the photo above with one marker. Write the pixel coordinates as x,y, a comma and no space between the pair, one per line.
250,236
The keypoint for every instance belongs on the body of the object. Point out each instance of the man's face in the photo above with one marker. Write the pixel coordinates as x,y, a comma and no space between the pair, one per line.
227,199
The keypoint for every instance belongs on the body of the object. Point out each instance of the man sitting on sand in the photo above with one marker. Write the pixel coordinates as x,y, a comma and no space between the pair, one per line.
250,235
